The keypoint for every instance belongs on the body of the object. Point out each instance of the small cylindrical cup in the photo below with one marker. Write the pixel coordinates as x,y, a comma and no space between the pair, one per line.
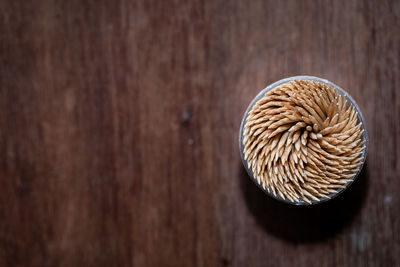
351,101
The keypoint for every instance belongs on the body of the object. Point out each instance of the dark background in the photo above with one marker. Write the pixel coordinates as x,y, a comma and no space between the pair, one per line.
119,132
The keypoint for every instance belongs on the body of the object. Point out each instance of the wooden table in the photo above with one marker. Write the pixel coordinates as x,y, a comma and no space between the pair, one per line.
119,132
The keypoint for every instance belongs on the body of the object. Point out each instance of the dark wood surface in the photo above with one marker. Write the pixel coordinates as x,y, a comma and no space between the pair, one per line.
119,132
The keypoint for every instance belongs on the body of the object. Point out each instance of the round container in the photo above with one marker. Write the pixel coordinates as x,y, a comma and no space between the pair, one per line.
341,92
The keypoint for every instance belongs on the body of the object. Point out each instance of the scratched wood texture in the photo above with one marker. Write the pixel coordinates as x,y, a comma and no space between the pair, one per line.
119,125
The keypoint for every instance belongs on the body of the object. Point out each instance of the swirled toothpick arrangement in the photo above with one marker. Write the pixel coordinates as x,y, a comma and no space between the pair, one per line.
303,141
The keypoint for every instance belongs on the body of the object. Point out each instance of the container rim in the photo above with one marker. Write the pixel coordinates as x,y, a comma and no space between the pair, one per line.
341,92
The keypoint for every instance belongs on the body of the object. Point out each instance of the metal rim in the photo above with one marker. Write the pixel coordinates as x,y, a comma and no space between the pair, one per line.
341,92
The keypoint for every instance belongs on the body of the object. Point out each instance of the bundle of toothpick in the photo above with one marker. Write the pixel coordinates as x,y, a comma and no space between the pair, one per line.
303,141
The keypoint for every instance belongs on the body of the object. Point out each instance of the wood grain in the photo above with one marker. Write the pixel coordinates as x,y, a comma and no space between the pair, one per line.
119,132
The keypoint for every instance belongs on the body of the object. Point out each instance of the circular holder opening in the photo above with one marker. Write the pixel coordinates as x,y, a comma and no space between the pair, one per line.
341,92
